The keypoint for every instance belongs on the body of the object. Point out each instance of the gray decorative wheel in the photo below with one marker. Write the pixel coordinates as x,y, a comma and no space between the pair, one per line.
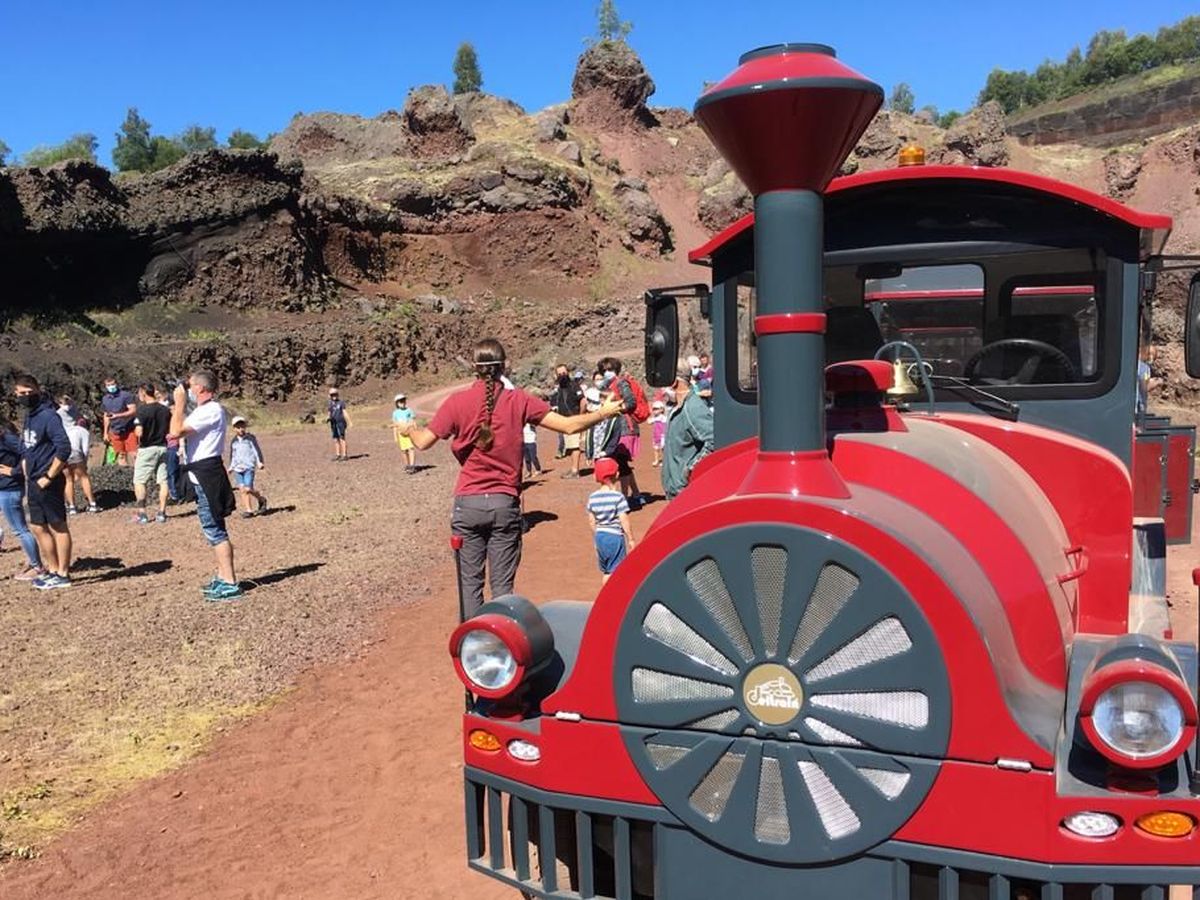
781,693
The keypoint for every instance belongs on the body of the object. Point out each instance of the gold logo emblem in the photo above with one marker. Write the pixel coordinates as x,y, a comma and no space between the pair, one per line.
772,694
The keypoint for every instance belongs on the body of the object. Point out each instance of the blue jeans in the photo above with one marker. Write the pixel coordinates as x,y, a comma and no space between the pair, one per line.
14,515
213,528
173,472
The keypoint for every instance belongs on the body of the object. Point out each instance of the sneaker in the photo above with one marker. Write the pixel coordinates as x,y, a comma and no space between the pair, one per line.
160,518
33,573
222,590
52,582
93,508
211,583
71,511
247,515
141,519
263,506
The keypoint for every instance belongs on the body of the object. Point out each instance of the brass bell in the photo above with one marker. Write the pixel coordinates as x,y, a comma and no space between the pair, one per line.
902,385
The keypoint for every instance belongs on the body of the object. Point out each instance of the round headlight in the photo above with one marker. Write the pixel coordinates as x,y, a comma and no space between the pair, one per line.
487,660
1138,719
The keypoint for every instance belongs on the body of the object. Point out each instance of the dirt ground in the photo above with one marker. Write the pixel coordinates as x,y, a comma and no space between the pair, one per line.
347,787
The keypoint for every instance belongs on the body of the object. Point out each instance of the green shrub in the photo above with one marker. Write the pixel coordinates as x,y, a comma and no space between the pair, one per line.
79,146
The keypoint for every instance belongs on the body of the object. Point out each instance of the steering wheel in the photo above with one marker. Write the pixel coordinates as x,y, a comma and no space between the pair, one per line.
1038,351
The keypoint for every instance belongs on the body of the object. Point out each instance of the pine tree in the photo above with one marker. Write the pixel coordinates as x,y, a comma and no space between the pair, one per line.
902,99
4,151
134,151
609,26
467,76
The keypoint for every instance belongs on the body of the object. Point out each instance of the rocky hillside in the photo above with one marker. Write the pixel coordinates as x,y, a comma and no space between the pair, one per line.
365,250
1129,109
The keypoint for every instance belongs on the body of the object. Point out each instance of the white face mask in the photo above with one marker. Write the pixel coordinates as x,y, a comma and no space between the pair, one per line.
192,396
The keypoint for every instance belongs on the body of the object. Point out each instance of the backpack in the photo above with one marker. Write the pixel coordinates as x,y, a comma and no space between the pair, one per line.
641,409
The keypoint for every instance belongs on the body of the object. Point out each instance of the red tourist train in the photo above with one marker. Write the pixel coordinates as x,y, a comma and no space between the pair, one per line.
903,635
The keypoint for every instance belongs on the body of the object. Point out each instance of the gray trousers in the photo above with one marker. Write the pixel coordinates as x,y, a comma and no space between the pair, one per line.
490,526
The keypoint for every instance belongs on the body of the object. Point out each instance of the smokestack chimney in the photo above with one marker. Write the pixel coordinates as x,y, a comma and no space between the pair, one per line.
785,120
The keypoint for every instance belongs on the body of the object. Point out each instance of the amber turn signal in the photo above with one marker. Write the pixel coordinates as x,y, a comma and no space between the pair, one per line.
1166,824
483,740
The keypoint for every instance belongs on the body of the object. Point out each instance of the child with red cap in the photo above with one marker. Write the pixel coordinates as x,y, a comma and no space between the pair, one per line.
608,513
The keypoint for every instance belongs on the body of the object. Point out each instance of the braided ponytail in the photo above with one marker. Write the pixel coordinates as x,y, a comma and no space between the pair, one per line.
489,365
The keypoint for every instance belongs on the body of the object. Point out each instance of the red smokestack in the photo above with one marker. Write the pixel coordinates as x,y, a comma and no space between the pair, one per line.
785,120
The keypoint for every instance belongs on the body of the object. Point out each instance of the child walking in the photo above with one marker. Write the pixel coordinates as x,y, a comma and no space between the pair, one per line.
245,459
608,513
402,419
531,458
658,426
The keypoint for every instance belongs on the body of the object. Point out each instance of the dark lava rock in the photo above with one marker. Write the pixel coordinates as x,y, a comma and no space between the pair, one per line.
611,86
70,196
433,120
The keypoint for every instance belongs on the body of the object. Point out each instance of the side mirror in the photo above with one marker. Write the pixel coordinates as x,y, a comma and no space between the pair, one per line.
662,339
1191,330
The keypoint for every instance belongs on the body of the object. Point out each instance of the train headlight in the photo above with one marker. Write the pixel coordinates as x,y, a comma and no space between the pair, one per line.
487,661
496,650
1138,719
1136,710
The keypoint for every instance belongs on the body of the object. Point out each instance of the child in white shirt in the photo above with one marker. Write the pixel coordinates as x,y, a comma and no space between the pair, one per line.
531,458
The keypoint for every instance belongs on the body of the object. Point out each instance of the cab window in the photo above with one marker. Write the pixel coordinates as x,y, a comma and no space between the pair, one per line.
1019,322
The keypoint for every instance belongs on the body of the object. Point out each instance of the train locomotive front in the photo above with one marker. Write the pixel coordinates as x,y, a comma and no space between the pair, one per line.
866,652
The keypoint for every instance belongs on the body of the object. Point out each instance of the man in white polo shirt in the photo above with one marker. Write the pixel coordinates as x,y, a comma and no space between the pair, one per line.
203,434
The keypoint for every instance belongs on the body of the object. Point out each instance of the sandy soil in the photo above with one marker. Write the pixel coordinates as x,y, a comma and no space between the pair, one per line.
350,787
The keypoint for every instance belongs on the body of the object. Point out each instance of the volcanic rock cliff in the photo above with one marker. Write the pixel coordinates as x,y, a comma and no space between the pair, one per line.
362,250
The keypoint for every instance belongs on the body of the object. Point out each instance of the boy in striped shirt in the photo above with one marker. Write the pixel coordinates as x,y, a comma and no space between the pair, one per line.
608,513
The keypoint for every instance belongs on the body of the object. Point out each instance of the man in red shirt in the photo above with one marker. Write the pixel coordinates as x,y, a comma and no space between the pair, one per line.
484,424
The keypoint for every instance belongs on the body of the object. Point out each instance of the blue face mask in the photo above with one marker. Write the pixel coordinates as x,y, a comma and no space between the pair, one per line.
609,376
111,388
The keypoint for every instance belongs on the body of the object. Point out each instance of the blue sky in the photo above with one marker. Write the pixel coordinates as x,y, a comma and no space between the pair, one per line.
76,65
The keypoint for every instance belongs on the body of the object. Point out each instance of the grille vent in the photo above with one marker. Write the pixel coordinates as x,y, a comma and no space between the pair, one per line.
707,720
713,792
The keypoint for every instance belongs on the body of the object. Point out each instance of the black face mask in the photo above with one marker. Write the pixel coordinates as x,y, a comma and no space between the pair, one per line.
31,401
564,380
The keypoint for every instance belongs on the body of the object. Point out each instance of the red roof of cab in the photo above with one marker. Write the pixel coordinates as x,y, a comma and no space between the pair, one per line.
1154,226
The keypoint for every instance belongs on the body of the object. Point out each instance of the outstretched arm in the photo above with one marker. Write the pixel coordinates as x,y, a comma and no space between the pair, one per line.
421,436
576,424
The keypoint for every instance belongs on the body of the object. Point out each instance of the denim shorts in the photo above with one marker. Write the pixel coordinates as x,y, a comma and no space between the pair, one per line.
211,524
244,479
610,550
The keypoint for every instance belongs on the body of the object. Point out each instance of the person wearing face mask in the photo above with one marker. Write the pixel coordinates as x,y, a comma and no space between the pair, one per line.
120,410
628,435
47,449
568,401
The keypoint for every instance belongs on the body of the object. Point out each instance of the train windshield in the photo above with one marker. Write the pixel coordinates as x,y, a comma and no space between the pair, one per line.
1028,320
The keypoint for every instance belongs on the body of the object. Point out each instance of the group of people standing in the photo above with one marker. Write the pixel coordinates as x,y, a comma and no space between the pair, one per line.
489,423
46,458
